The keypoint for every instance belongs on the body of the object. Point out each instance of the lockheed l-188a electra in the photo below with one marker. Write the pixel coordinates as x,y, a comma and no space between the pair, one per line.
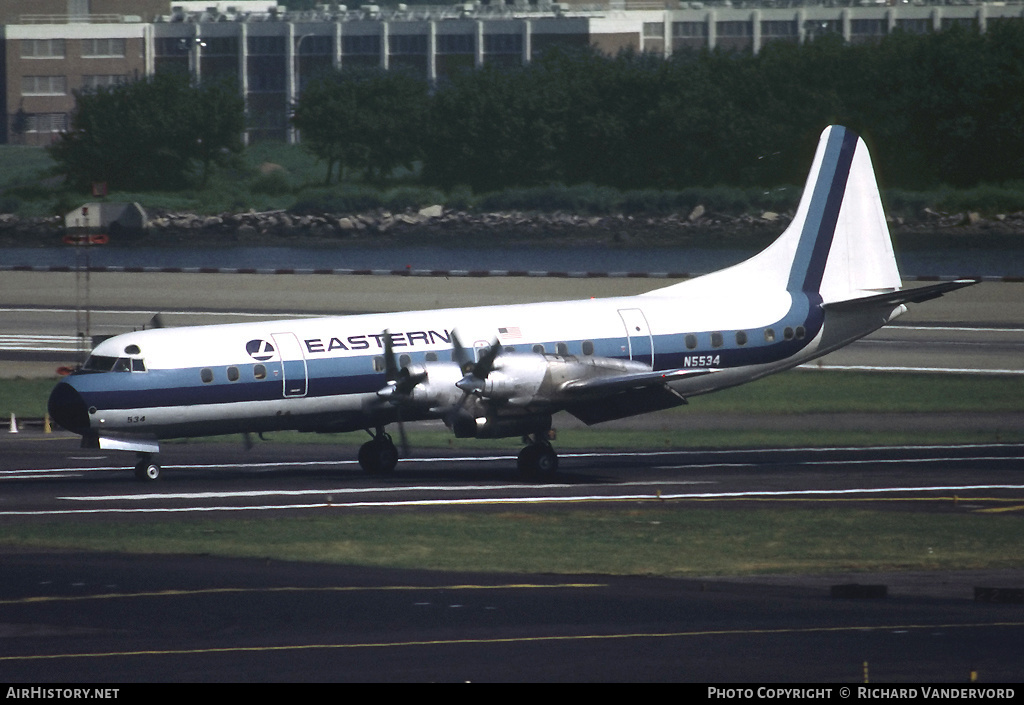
828,280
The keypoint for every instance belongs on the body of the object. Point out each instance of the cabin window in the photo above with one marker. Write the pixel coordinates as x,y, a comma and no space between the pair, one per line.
788,333
404,360
562,349
259,371
741,337
800,332
378,364
431,357
509,348
717,340
206,374
538,348
588,347
691,341
769,335
232,374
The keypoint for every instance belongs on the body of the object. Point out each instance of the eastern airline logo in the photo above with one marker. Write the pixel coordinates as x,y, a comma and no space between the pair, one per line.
260,350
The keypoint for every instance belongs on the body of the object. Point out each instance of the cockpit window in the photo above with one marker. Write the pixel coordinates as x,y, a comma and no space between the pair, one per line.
99,363
104,363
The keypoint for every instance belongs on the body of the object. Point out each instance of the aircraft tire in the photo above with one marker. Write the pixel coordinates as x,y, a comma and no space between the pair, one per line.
538,461
378,457
147,471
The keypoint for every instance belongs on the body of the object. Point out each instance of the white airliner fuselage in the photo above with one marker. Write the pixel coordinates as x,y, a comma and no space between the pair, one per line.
499,371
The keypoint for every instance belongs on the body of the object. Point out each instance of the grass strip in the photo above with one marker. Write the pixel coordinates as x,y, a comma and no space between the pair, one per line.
652,538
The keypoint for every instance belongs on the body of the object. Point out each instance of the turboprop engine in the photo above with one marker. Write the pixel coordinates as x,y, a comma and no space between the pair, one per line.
512,396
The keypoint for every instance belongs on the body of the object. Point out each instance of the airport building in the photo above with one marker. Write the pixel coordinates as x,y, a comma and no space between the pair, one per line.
53,48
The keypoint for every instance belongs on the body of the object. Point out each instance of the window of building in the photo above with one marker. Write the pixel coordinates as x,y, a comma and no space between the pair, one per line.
872,28
46,122
914,26
314,45
503,43
44,85
360,44
779,28
112,47
689,29
265,45
734,28
654,30
948,22
407,44
92,82
42,49
170,46
455,44
816,28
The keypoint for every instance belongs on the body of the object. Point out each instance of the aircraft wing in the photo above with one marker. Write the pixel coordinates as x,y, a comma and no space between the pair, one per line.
619,396
635,380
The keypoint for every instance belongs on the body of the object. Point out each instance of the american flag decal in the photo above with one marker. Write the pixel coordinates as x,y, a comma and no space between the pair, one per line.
510,332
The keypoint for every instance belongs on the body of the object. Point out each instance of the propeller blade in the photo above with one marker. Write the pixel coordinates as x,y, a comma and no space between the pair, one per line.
402,438
462,356
390,366
486,364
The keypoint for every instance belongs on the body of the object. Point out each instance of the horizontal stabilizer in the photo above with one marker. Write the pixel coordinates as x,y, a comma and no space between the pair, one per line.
903,296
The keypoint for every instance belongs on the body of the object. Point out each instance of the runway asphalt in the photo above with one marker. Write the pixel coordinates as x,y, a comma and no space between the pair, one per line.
135,619
102,618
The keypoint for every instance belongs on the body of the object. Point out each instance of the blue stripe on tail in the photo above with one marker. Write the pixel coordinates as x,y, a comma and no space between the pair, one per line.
823,212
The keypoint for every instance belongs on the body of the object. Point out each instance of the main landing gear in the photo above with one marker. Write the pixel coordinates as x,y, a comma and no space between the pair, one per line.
146,469
538,460
378,456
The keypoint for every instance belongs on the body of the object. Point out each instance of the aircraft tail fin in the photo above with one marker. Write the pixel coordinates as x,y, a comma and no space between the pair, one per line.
838,243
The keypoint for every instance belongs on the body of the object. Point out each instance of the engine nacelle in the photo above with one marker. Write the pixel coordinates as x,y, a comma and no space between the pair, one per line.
465,425
437,390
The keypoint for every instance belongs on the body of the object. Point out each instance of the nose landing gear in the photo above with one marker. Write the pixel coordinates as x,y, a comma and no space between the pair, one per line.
146,469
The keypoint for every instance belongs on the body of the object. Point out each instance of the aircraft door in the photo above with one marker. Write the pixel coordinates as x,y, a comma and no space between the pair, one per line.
293,364
638,333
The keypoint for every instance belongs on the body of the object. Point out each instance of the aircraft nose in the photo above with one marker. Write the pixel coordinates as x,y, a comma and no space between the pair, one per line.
68,409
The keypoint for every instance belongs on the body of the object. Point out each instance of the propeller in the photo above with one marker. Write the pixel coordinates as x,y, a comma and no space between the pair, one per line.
401,382
475,372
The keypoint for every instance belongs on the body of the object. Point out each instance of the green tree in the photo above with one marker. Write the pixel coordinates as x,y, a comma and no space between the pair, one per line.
369,120
153,133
